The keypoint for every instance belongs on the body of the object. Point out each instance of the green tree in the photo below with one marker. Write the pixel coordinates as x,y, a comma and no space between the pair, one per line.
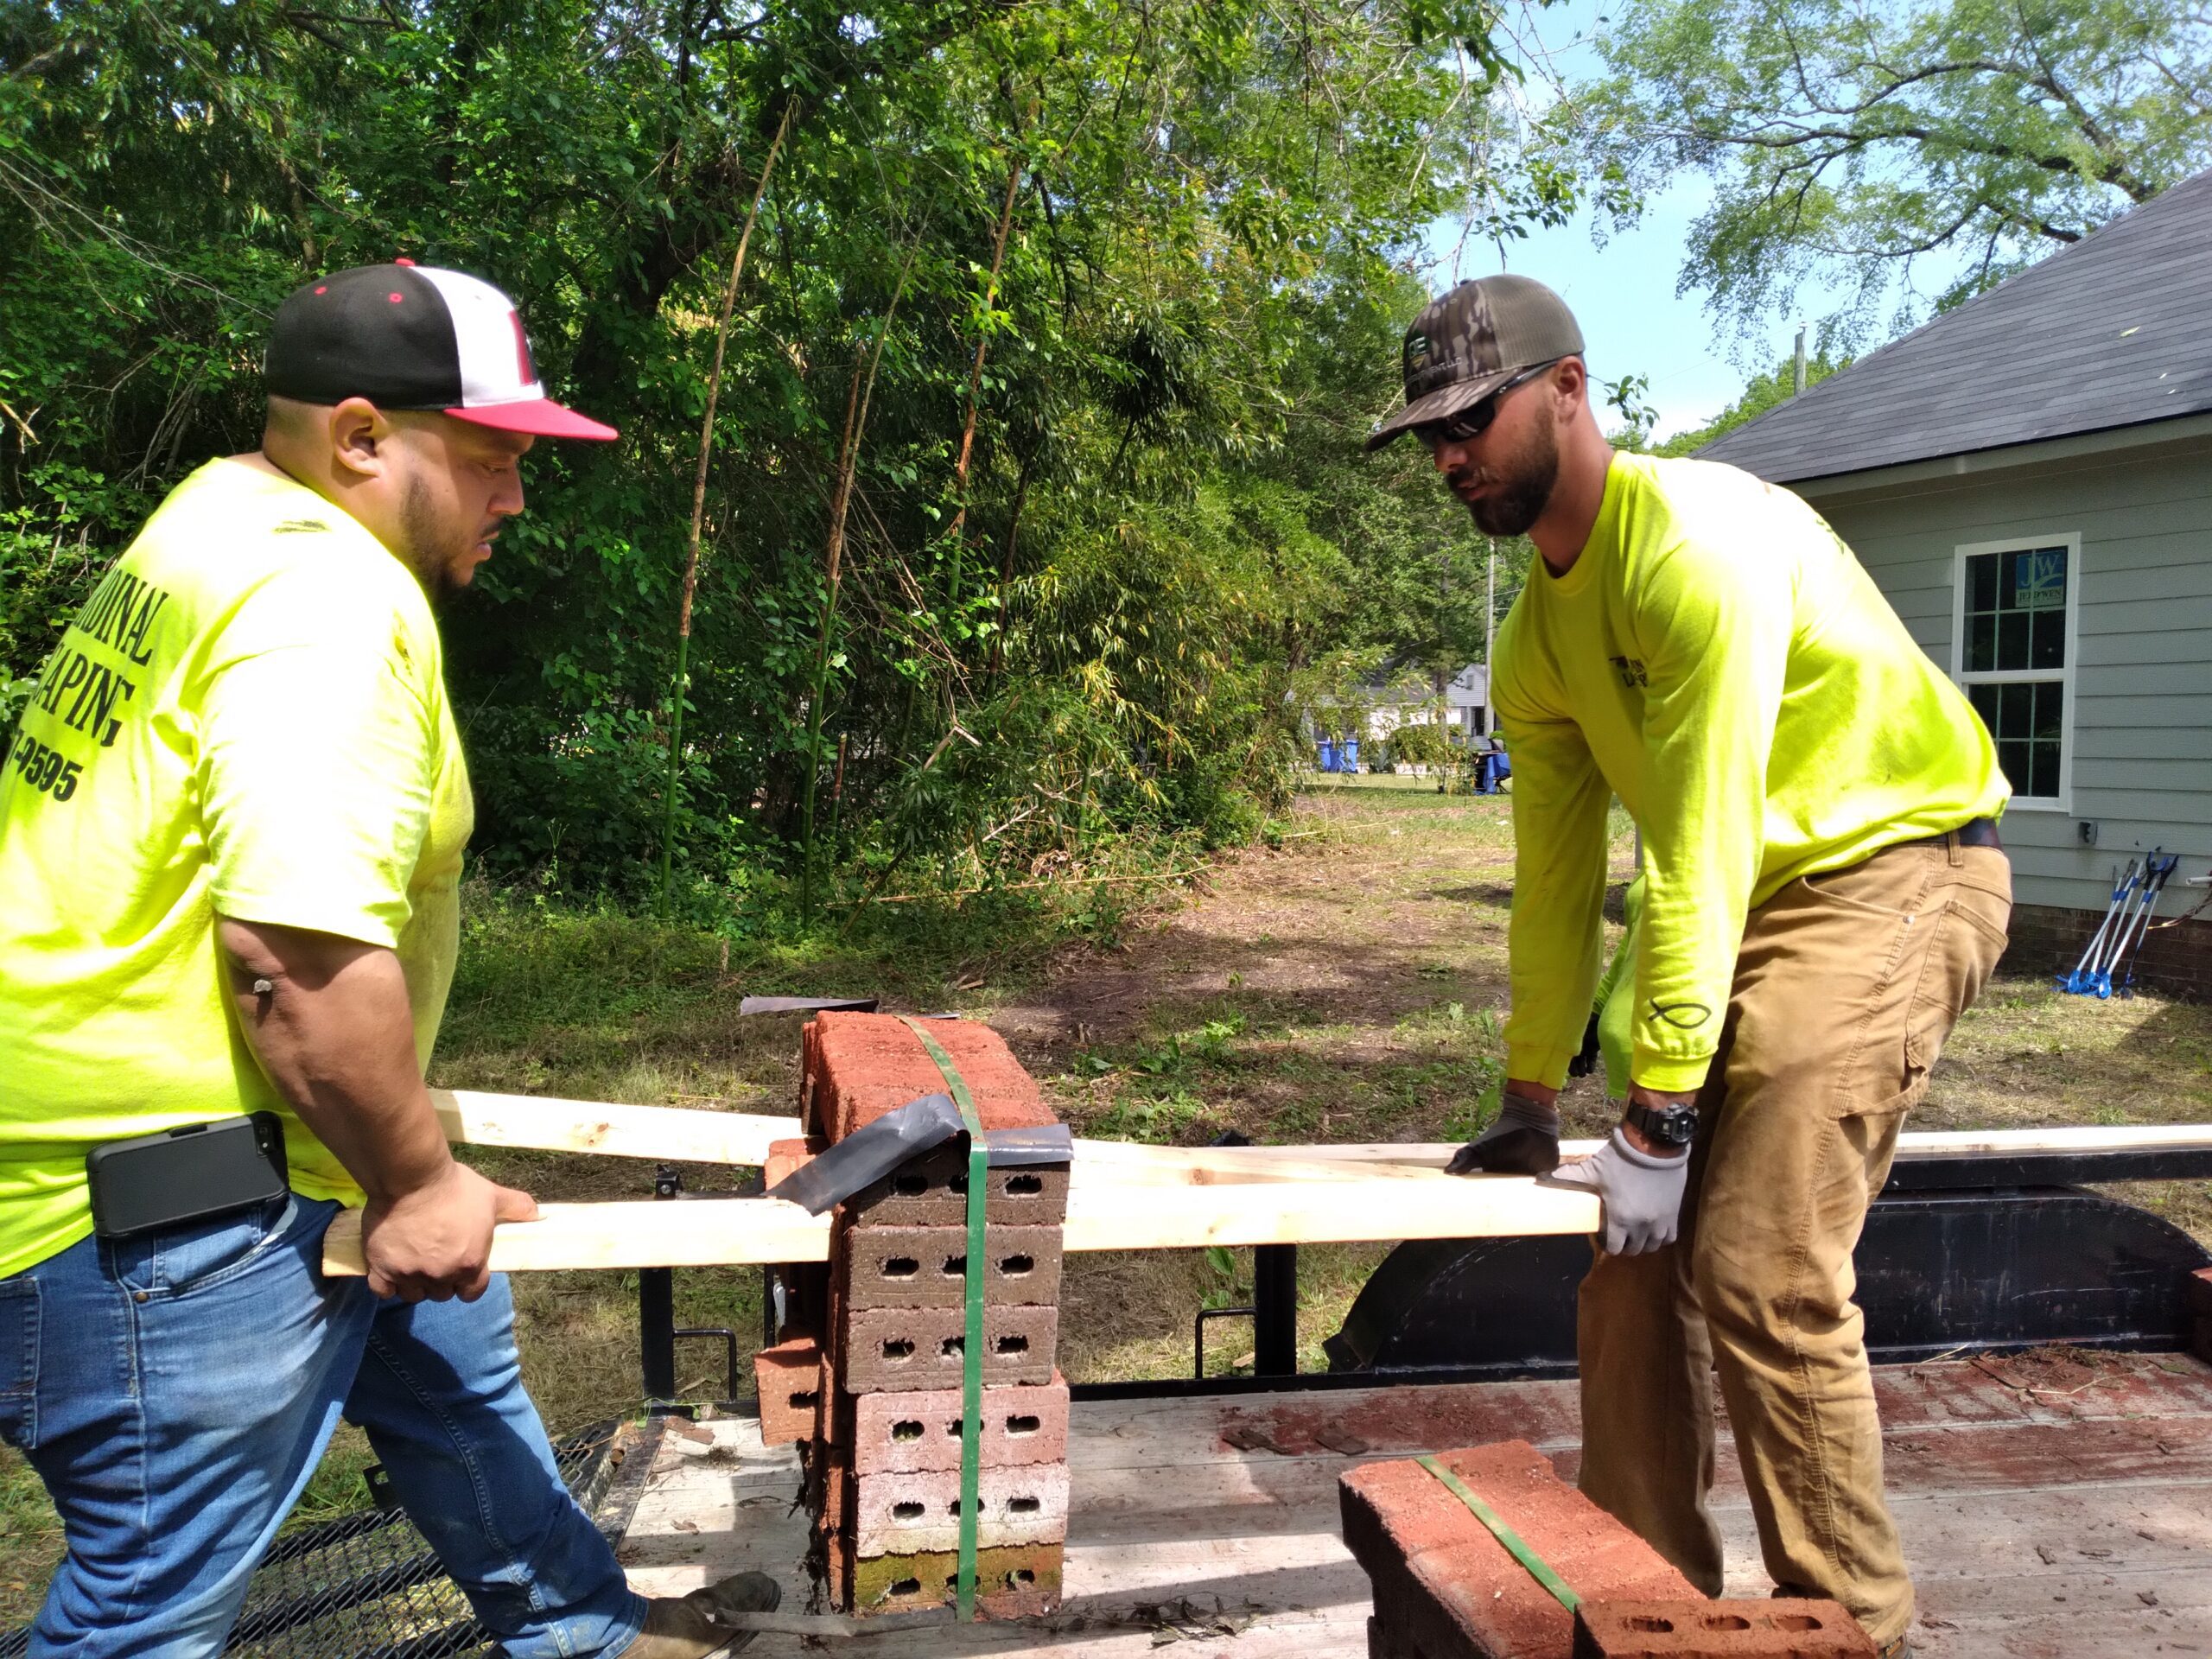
1854,143
1035,484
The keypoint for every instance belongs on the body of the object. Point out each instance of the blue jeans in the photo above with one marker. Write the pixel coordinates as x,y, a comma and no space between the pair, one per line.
176,1391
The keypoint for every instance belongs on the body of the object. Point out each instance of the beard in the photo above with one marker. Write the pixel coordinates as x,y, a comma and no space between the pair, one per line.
1519,486
435,549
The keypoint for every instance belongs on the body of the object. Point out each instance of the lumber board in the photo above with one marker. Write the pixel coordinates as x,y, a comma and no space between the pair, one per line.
1351,1210
1207,1166
1912,1145
655,1233
2012,1144
674,1133
686,1134
642,1233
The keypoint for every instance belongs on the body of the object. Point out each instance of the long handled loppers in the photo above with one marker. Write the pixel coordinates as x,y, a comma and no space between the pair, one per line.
2082,981
2160,869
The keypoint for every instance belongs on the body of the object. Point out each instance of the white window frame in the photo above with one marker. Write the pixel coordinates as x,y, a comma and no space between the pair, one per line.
2071,541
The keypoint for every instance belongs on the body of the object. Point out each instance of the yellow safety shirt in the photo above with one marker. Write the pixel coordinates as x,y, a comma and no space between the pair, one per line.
248,718
1719,659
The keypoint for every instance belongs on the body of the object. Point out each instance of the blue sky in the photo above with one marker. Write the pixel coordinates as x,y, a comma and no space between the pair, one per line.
1633,322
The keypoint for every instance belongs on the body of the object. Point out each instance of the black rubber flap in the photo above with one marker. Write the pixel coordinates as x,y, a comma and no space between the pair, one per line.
871,1153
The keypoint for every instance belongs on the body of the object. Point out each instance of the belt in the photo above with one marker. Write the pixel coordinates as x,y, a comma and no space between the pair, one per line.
1975,832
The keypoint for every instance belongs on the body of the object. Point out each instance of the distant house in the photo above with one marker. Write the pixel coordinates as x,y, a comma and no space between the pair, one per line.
1468,693
1396,695
2029,478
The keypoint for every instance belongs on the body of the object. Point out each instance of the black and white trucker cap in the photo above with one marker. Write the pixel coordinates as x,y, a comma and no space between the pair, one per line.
405,336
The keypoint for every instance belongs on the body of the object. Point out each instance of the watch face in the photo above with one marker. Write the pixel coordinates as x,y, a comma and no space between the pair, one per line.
1676,1127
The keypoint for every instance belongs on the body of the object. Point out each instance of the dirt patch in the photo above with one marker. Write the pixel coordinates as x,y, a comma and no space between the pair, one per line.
1354,923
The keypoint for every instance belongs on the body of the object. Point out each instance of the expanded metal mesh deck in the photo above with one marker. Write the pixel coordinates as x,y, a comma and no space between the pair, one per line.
366,1585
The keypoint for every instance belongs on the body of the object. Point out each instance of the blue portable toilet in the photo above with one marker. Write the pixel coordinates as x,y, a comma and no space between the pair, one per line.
1348,754
1325,754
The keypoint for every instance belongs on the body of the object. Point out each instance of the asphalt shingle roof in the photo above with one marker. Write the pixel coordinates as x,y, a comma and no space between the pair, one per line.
2113,331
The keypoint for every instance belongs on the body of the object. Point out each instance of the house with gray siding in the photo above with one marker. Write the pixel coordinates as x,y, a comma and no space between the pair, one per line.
2029,478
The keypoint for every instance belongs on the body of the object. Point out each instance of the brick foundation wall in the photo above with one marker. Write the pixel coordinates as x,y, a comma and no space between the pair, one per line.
2176,961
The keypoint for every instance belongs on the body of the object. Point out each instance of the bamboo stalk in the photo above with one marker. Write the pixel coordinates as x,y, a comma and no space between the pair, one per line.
857,400
699,511
960,465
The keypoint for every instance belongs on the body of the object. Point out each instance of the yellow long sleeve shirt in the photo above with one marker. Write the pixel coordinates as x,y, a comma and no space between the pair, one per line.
1717,658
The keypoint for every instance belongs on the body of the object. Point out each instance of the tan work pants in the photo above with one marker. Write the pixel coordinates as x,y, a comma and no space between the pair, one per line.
1846,988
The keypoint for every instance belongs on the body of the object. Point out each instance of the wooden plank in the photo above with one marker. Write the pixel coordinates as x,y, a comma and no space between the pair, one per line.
2002,1143
1318,1212
1209,1165
685,1134
677,1134
653,1233
650,1233
1912,1145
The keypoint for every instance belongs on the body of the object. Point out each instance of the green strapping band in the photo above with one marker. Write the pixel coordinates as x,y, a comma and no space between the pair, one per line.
971,1348
1515,1545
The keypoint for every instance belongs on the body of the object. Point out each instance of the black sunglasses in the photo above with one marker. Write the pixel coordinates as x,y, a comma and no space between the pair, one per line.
1472,423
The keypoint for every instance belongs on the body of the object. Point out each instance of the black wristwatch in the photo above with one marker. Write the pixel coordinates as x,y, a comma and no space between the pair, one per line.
1675,1126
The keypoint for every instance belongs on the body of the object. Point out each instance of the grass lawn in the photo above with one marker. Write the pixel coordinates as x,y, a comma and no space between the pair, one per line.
1343,984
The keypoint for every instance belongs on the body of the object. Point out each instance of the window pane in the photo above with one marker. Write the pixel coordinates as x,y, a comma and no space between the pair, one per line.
2012,639
1981,644
2043,578
1984,698
2049,648
2050,711
2046,770
2008,580
2017,760
1981,583
2016,710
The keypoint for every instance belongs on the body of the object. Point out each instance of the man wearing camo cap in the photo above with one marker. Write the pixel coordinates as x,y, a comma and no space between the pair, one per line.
1826,893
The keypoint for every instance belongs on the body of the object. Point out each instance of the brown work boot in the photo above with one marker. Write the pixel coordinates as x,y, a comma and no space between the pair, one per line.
689,1627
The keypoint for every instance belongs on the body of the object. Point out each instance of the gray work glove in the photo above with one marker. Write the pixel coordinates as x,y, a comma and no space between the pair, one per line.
1643,1195
1523,1140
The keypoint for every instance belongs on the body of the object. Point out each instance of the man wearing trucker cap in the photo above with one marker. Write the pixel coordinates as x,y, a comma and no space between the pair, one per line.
1825,893
230,832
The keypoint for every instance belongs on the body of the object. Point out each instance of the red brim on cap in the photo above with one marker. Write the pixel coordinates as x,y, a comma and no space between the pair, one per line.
540,415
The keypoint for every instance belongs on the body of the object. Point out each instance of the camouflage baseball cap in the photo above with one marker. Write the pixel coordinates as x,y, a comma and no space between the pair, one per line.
1464,346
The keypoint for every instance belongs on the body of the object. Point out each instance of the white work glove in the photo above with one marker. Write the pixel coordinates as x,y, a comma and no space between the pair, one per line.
1643,1194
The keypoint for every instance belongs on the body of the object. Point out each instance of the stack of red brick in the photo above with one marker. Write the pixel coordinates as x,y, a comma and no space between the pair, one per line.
1447,1588
873,1391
